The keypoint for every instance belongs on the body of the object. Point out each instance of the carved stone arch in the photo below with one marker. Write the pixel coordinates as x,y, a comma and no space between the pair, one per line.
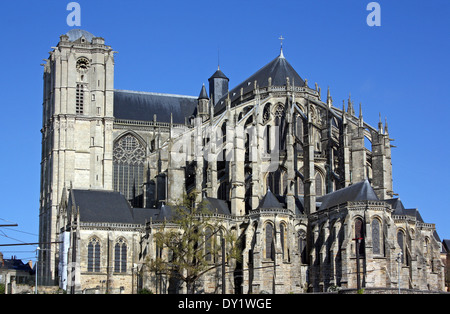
266,116
132,133
278,109
301,110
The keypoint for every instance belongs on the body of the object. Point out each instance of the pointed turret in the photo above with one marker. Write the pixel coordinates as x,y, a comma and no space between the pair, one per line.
218,85
202,105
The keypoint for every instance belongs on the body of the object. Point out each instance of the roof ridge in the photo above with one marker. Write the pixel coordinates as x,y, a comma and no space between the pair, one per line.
154,94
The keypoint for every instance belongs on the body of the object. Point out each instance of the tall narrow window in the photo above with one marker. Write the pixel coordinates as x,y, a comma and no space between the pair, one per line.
283,239
129,159
281,125
94,255
208,245
79,101
376,237
319,184
270,247
120,256
302,246
359,235
401,244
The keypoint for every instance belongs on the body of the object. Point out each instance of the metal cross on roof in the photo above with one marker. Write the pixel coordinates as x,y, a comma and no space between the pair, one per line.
281,39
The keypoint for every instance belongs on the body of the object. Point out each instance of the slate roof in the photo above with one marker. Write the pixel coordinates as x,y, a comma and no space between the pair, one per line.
217,206
203,93
361,191
15,264
278,69
218,74
165,213
108,207
399,209
270,201
75,34
446,245
142,106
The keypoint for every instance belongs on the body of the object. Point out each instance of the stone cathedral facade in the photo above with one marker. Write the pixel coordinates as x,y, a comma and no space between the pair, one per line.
305,184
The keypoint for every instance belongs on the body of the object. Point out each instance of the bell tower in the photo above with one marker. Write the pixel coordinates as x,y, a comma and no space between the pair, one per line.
77,129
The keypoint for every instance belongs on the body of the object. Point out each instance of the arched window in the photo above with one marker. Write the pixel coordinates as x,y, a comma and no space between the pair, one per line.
377,240
319,184
284,242
129,159
270,245
302,246
120,256
359,235
401,244
93,255
277,182
427,250
208,245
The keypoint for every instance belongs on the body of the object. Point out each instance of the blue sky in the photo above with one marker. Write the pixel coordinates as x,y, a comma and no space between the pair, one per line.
399,70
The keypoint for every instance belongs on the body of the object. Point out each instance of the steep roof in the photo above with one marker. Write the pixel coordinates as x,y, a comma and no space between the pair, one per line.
142,106
108,207
278,70
218,74
361,191
217,206
270,201
203,93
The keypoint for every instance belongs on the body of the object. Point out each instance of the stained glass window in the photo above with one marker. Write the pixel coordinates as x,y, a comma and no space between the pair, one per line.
120,256
94,255
129,159
269,242
376,236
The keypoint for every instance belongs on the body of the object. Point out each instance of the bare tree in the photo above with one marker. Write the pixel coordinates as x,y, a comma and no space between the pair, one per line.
190,243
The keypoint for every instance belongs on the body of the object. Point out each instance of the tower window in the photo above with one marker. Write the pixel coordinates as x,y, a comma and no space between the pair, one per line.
79,102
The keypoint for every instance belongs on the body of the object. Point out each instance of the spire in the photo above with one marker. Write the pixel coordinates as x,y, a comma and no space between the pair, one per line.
329,99
361,123
380,125
203,93
281,49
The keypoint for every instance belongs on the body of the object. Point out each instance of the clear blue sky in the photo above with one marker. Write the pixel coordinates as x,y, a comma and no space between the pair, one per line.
400,69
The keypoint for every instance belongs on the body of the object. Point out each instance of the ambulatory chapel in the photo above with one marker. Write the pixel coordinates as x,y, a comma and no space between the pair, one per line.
304,183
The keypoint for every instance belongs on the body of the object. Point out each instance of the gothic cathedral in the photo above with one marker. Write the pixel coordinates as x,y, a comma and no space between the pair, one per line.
306,185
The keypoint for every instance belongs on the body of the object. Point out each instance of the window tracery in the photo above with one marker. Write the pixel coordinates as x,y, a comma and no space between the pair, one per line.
129,158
